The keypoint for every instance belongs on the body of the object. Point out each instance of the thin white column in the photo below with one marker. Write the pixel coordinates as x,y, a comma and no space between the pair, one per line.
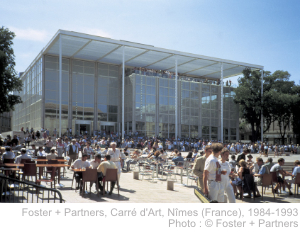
123,91
60,84
262,117
176,100
222,96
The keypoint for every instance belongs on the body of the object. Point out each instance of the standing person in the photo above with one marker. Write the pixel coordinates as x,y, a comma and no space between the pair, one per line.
28,140
45,136
54,132
115,156
60,147
72,151
49,145
198,168
212,175
88,150
225,180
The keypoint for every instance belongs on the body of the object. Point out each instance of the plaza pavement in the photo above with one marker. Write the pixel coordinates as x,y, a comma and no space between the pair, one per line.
144,191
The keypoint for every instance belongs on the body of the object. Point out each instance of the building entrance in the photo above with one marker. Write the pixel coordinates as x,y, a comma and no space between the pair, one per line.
82,129
108,129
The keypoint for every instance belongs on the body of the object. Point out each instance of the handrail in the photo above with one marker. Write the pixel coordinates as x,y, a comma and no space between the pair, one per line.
8,181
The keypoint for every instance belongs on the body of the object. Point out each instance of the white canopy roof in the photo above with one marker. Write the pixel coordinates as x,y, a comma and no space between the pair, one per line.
95,48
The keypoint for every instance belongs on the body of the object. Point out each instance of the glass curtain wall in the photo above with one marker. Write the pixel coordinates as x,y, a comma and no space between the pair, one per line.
29,114
167,107
108,93
189,109
83,81
52,94
145,112
210,111
231,115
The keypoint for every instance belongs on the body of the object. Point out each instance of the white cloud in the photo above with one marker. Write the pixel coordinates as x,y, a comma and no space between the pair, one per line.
30,34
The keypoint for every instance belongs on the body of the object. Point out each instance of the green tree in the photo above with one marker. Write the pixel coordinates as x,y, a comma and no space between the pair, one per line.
279,97
296,113
248,96
9,80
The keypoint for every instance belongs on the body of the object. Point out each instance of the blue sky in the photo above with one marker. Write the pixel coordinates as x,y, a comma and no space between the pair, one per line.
259,32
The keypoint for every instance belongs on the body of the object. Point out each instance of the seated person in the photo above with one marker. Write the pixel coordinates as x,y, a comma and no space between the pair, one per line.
79,164
279,170
106,164
248,180
8,154
179,159
152,152
96,162
51,155
134,158
34,150
163,154
269,163
41,152
295,171
23,155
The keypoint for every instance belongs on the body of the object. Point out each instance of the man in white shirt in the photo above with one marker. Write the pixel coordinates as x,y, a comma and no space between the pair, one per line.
8,154
52,155
115,156
212,175
79,164
41,152
23,155
96,162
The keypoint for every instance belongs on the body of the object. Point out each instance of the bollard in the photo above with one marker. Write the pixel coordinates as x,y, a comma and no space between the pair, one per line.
136,175
170,184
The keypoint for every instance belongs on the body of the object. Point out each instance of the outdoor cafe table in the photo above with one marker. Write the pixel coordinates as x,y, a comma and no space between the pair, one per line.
40,166
9,169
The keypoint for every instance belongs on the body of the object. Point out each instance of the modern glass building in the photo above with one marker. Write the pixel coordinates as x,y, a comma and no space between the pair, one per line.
91,83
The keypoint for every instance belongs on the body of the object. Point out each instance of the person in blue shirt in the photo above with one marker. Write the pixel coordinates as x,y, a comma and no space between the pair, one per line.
295,172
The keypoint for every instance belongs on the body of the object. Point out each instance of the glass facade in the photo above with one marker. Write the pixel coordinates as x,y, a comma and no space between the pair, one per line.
29,113
91,100
52,93
190,109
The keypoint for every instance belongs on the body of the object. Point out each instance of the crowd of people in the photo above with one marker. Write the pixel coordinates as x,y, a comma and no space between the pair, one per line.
216,173
171,75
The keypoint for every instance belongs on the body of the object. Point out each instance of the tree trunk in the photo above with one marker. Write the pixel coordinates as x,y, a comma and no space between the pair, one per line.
253,132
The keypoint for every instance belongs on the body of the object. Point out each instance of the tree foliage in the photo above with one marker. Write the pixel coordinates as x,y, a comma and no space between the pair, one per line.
277,103
9,80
